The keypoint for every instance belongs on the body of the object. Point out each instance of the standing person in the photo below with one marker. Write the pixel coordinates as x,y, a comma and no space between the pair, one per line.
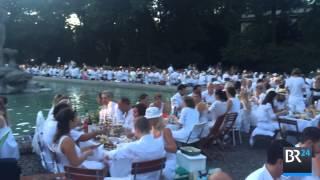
296,86
315,90
108,107
208,95
153,114
177,99
188,118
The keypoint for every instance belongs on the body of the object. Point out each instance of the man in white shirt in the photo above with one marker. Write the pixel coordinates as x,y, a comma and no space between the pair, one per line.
147,148
177,99
273,169
208,95
124,114
311,139
296,86
108,107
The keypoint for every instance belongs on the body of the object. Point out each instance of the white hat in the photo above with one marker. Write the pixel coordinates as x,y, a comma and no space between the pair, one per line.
153,112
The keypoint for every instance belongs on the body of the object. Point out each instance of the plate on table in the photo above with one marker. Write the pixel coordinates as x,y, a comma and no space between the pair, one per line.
190,151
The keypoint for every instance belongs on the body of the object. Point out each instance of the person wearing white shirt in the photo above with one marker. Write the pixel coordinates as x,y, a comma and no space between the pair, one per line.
219,107
67,151
108,107
170,69
202,79
265,118
273,169
153,114
208,95
233,104
124,114
188,118
109,75
259,94
177,99
147,148
296,86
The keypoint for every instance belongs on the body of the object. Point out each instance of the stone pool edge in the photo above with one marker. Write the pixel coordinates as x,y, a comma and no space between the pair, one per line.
109,84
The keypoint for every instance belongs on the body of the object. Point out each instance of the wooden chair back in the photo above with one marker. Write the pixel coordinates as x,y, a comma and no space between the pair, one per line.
229,121
72,173
148,166
288,122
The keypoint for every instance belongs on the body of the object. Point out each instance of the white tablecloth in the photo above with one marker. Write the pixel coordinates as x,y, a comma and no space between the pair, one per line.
302,123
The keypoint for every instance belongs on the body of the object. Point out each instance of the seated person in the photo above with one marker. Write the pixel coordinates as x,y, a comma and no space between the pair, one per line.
124,114
217,108
67,151
273,169
188,118
265,115
147,148
281,103
108,107
159,131
311,139
8,145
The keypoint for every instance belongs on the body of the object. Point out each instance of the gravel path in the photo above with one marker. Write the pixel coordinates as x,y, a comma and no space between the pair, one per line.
238,161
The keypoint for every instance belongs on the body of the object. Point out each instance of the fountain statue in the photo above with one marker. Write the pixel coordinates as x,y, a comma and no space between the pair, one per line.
12,79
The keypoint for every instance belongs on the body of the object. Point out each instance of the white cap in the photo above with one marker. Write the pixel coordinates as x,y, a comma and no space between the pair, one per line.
153,112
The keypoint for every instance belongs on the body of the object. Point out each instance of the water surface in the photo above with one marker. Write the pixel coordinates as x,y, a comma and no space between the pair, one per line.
23,108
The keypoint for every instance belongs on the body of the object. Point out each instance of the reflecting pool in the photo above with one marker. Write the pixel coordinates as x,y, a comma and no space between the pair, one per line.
23,108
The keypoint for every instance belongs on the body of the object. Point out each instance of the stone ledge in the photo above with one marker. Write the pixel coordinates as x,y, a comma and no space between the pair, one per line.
151,87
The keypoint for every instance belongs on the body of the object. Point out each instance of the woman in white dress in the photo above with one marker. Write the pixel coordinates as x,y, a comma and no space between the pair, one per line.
67,151
153,114
188,118
218,108
233,104
245,113
266,124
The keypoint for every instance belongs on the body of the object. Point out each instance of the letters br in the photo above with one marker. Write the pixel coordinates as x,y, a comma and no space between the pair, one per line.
297,161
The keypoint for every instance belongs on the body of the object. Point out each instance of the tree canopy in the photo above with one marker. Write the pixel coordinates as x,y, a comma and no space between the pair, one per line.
254,34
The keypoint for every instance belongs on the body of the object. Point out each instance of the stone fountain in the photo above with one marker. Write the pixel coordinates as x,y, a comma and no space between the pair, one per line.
12,79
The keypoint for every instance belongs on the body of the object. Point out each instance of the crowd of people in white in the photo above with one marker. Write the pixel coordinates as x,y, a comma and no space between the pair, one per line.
146,75
258,99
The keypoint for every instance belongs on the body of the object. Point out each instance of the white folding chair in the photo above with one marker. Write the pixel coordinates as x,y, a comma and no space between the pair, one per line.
196,131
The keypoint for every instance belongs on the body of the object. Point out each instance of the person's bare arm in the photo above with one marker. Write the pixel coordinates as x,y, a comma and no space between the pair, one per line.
229,106
68,148
170,145
88,136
